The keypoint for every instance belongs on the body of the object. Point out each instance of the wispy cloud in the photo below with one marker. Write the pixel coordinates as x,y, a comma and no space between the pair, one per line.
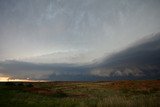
30,28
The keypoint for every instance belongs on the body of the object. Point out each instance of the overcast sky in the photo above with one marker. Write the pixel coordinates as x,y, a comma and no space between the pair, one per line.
71,30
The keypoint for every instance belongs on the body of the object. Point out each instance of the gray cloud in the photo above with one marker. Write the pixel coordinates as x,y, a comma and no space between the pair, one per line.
41,38
140,61
16,69
32,28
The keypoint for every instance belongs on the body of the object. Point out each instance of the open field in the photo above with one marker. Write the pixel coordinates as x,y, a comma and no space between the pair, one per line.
81,94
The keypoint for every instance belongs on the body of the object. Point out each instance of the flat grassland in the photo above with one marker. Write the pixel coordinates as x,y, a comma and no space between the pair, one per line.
136,93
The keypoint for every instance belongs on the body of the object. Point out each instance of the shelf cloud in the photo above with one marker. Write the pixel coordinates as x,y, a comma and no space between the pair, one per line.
79,39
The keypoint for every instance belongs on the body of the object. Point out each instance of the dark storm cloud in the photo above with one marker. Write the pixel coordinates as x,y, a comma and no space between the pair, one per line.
16,69
142,60
145,51
37,34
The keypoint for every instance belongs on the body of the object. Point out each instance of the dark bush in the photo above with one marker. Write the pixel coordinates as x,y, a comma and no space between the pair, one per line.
60,94
29,85
20,84
10,84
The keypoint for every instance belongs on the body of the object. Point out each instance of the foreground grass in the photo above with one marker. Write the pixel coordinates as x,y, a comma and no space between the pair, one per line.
83,94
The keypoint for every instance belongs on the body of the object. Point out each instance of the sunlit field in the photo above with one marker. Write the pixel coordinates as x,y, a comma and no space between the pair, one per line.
81,94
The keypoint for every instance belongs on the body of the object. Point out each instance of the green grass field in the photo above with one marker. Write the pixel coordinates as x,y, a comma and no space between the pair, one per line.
82,94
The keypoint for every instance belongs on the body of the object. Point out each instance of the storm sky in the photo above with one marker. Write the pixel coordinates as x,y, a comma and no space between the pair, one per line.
52,31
